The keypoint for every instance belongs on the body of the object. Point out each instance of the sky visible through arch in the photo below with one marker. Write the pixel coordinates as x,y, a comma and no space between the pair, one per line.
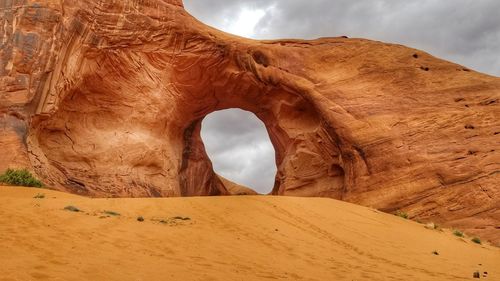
238,144
466,32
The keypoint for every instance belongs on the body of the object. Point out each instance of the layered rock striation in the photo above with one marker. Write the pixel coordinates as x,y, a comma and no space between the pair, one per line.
106,99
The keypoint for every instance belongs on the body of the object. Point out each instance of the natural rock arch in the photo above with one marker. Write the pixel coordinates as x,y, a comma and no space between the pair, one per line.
105,98
308,157
122,116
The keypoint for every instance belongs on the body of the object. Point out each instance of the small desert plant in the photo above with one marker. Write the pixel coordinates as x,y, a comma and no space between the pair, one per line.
181,218
432,225
140,218
20,178
476,240
39,196
112,213
72,209
402,214
172,220
436,253
458,233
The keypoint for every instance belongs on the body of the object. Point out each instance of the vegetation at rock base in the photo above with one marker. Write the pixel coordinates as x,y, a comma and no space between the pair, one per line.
19,178
476,240
402,214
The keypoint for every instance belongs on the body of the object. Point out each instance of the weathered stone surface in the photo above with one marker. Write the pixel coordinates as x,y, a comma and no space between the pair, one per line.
105,98
236,189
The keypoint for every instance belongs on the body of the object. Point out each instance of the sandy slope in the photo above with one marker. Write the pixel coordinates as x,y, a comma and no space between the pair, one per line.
226,238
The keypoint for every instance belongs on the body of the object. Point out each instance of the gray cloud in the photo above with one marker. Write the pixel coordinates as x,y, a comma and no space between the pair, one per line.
238,144
463,31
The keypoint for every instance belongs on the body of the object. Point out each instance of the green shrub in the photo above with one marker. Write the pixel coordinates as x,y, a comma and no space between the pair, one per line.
111,213
72,209
476,240
20,178
181,218
402,214
458,233
39,196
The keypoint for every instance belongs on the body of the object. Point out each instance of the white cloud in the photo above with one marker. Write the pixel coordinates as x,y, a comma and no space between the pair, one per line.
463,31
244,23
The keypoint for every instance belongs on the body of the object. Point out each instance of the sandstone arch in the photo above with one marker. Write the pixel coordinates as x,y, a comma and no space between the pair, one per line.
105,98
307,155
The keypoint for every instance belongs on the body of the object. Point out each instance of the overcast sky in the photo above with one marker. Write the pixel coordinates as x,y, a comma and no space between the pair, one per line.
463,31
238,144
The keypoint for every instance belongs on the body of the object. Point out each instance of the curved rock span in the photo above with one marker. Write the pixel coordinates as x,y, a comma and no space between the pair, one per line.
106,98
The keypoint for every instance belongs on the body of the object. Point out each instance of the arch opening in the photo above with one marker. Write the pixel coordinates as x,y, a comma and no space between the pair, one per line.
240,149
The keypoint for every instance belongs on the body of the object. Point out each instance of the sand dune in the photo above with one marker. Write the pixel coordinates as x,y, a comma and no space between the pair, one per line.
225,238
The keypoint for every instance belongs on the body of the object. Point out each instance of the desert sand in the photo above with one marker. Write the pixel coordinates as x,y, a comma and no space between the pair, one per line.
224,238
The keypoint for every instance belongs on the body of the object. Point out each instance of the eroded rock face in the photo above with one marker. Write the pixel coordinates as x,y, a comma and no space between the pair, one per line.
236,189
106,98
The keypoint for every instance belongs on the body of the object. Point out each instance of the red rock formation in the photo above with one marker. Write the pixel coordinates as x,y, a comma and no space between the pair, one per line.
236,189
105,98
